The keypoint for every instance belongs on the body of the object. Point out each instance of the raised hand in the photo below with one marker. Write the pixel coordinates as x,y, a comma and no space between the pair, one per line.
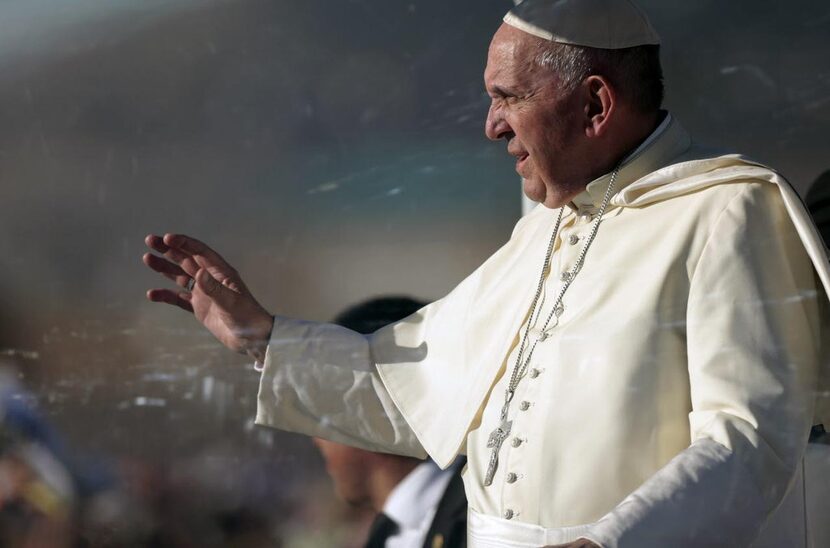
219,298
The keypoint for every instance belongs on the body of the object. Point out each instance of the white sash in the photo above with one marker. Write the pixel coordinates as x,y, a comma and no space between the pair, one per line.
787,526
491,532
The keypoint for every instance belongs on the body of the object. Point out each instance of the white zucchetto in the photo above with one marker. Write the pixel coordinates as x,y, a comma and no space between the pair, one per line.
602,24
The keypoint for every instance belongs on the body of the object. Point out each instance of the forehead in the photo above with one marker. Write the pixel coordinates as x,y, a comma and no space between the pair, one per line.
510,57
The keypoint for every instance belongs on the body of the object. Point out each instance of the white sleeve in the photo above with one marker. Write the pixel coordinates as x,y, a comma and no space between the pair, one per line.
752,344
321,380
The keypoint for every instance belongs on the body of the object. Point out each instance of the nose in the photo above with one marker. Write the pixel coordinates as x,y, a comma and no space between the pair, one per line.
496,127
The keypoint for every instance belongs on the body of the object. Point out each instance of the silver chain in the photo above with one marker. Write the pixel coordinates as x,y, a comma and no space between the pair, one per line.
520,368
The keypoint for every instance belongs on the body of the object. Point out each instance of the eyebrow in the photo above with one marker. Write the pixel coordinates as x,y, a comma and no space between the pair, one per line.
499,90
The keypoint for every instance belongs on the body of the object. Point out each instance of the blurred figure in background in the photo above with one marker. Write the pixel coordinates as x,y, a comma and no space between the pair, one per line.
50,495
417,503
37,490
818,203
817,456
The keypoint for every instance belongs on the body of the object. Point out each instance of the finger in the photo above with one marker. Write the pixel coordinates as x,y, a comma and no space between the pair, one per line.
156,243
189,264
204,255
167,269
177,256
220,294
175,298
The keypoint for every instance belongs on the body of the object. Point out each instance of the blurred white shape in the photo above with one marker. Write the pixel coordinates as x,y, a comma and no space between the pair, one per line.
325,187
208,384
22,354
144,401
753,70
161,377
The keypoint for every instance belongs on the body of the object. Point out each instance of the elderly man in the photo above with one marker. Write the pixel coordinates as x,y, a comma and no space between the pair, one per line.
637,366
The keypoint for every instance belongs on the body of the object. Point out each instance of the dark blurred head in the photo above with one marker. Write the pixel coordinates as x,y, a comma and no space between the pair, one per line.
369,316
357,474
818,203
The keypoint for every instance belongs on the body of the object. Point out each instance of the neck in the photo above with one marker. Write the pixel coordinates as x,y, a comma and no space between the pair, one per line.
386,476
628,135
632,133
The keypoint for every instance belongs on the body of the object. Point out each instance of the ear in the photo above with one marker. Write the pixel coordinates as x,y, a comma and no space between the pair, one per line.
600,105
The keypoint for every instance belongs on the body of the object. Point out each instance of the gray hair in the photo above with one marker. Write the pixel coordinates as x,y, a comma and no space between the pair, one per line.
569,63
635,72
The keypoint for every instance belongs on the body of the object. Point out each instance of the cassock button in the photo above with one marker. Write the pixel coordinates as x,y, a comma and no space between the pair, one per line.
508,514
586,217
515,442
573,239
565,276
524,406
534,373
511,477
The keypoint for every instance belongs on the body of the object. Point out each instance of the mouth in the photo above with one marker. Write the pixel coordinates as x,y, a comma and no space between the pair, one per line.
521,159
515,149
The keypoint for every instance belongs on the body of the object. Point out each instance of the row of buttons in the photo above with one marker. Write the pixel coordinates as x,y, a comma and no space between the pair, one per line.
512,477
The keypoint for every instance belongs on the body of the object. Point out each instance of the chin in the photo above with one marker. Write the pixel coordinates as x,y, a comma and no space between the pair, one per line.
352,498
538,192
534,190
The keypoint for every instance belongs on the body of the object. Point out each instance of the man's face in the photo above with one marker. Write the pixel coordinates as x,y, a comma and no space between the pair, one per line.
348,468
543,126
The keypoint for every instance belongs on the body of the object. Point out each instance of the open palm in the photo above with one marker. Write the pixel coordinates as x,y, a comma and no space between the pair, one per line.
219,298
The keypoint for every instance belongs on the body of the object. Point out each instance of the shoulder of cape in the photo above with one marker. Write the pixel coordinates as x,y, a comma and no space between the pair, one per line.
699,169
695,170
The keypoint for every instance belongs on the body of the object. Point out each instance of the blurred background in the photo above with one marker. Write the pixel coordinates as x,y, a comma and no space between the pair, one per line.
331,151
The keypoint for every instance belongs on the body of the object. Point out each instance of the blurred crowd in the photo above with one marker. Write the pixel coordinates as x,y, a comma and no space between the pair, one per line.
52,496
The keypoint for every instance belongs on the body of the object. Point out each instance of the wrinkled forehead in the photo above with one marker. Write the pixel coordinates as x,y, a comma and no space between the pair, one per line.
511,54
510,50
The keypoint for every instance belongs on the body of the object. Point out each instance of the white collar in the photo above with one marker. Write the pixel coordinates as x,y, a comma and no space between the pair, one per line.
663,145
414,499
667,119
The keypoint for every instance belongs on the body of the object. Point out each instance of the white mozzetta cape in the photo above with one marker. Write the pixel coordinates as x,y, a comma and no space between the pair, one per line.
676,393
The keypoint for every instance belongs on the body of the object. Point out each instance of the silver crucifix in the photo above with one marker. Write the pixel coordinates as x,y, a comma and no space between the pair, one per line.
495,442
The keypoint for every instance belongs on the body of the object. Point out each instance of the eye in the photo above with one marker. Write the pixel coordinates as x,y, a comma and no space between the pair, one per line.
500,93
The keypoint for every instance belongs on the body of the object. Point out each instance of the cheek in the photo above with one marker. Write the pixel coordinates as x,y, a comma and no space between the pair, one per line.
534,137
344,461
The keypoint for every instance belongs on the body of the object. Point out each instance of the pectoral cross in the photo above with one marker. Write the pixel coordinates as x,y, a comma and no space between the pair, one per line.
495,442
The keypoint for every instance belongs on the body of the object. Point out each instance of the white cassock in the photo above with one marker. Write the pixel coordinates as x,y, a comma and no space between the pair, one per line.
671,404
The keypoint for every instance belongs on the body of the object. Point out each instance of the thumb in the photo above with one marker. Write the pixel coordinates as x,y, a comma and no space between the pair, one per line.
218,293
